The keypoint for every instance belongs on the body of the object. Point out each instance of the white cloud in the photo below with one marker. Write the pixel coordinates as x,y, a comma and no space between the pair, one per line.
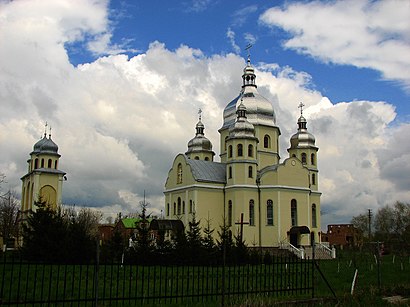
120,121
231,36
370,34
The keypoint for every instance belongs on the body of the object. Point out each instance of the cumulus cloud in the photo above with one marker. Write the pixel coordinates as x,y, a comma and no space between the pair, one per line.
369,34
119,121
230,34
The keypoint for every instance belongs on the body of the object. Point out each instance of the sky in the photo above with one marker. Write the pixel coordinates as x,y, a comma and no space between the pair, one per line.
121,82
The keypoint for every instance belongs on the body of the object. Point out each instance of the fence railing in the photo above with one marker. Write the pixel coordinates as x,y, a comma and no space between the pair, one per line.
95,285
298,252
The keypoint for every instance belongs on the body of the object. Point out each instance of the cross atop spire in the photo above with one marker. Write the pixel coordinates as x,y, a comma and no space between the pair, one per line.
45,129
301,105
200,114
247,48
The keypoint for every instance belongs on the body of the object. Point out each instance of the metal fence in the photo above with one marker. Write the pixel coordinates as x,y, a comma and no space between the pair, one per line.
37,284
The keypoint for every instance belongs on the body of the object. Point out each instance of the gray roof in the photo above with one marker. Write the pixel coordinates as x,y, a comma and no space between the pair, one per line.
208,171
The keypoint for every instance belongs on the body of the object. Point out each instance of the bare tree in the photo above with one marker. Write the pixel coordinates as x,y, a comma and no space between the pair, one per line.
9,208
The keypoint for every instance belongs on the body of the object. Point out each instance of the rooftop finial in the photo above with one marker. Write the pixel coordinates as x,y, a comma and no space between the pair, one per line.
200,114
45,129
247,48
49,135
301,105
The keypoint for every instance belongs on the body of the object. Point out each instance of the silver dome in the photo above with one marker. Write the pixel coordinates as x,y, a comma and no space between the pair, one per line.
259,110
199,143
302,138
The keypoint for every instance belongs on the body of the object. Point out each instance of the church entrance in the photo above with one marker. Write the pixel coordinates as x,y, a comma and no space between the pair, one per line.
295,232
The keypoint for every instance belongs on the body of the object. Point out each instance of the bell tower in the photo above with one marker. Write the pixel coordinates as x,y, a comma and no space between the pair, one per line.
43,180
302,146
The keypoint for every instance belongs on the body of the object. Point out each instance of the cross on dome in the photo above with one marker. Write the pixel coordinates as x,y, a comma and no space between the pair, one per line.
301,105
247,48
200,113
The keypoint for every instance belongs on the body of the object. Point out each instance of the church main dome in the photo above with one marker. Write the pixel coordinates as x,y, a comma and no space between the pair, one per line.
259,110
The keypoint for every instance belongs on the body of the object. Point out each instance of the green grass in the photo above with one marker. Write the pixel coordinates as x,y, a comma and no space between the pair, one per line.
77,281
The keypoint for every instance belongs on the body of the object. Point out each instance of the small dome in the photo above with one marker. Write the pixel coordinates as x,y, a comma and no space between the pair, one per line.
302,138
199,143
242,127
45,145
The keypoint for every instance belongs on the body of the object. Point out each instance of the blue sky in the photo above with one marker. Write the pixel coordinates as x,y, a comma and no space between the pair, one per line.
204,25
121,82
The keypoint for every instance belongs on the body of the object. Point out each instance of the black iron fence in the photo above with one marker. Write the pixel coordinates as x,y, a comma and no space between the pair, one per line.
27,283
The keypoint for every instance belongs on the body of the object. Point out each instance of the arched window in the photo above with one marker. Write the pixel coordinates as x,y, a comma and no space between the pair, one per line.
230,172
303,158
251,212
179,205
175,208
226,138
230,213
266,141
314,220
167,209
240,150
293,212
312,159
55,164
269,212
250,150
206,159
42,163
36,163
190,206
250,172
313,179
50,163
179,176
230,151
196,158
183,207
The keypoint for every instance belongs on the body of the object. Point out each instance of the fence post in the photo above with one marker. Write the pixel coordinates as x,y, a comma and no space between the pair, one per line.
97,263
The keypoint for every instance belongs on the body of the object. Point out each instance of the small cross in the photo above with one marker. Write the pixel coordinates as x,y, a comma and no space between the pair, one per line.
247,48
45,129
301,105
241,223
200,114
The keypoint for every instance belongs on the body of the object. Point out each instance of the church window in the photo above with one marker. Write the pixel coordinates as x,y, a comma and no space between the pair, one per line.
240,150
293,212
251,212
230,151
312,159
314,222
35,163
196,158
50,163
303,158
230,172
179,205
230,213
179,176
269,212
167,209
313,179
55,164
226,138
175,208
190,206
42,163
294,156
250,172
266,141
183,207
250,150
206,159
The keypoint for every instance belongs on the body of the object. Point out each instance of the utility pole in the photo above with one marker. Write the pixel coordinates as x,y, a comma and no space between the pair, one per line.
370,223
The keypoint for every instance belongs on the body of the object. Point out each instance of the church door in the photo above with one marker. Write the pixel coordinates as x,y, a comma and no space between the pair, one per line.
294,239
